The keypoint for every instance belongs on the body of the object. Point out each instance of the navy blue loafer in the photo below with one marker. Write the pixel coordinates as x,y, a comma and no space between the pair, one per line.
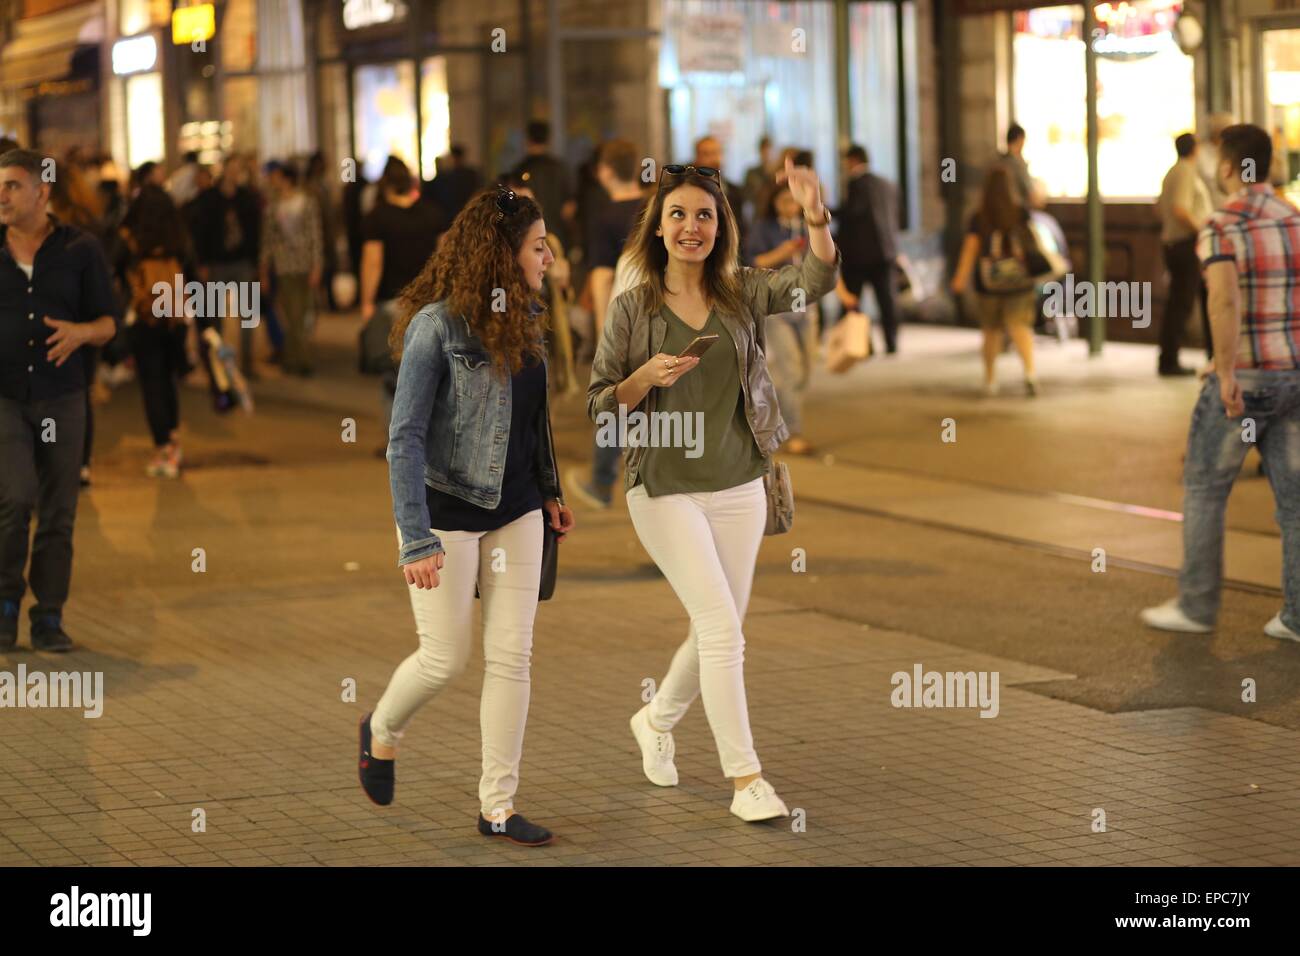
516,829
378,777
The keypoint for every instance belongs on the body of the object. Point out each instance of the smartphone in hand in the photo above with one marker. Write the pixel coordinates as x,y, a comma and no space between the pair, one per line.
698,347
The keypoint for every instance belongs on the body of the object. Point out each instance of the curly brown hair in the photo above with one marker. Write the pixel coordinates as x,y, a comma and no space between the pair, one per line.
475,258
649,257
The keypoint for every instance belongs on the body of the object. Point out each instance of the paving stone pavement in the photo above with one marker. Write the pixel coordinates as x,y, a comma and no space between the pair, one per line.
224,693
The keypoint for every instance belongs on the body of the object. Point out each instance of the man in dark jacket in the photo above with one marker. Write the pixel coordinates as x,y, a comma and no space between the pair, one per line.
455,183
868,239
547,178
227,223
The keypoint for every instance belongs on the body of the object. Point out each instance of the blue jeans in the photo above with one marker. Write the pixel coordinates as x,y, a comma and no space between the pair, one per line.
1215,451
604,465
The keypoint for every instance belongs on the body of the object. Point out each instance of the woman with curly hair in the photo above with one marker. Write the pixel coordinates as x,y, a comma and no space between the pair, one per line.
472,469
700,513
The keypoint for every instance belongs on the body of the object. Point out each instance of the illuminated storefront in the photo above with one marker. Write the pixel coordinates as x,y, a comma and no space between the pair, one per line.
1145,96
737,70
388,83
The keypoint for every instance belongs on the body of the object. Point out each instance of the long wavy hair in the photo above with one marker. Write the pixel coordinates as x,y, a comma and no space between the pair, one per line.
648,254
475,258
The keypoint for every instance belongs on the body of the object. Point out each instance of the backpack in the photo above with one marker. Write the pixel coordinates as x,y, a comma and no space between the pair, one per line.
1003,267
144,275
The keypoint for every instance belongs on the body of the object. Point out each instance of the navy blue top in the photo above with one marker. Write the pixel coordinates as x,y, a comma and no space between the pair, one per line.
69,282
520,491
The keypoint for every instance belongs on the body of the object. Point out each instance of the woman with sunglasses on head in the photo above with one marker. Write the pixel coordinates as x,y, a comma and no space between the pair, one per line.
700,514
473,475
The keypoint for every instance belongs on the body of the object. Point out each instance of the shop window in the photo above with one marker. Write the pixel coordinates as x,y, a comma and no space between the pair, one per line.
1281,60
144,106
384,118
240,113
1145,97
435,115
737,70
239,36
875,76
136,16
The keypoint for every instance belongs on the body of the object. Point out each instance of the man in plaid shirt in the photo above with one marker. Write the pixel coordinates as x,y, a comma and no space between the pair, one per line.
1250,250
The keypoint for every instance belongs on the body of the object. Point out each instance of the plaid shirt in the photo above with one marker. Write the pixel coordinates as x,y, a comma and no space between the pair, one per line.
1260,232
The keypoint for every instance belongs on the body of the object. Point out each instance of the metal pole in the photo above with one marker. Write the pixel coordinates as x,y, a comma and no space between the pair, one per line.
843,105
1096,224
555,80
1214,48
904,177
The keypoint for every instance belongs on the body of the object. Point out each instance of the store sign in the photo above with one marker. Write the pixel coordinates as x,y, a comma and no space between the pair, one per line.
193,24
711,43
134,55
359,14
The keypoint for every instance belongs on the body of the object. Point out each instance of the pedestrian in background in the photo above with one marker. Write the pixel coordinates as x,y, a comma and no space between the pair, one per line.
1251,253
547,177
156,249
777,238
868,238
473,475
227,237
400,234
619,171
291,246
1184,207
996,252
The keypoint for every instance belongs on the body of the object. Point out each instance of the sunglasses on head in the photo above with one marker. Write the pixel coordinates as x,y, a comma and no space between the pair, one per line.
708,172
507,203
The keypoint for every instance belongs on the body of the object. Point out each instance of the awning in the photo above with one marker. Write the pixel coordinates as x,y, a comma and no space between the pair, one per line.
42,47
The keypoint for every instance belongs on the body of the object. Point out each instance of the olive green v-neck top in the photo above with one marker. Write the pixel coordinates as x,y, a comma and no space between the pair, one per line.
711,446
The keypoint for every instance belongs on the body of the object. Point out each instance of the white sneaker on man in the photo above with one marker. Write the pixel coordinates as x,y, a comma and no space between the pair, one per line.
1170,617
1275,628
657,750
757,802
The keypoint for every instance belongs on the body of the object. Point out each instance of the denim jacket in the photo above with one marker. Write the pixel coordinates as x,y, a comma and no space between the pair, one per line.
451,427
632,336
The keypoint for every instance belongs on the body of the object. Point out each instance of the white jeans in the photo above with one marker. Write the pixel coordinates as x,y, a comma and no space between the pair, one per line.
706,544
443,618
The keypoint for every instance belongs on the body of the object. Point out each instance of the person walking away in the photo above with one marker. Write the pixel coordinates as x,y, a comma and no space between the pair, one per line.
1251,253
291,245
1184,207
156,249
56,299
996,251
868,238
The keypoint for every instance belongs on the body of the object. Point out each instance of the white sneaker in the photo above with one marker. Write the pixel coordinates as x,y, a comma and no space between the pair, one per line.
757,802
657,750
1170,617
1275,628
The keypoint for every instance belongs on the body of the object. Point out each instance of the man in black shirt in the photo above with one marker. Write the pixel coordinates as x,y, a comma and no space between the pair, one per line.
618,170
398,237
868,240
547,178
55,298
227,229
